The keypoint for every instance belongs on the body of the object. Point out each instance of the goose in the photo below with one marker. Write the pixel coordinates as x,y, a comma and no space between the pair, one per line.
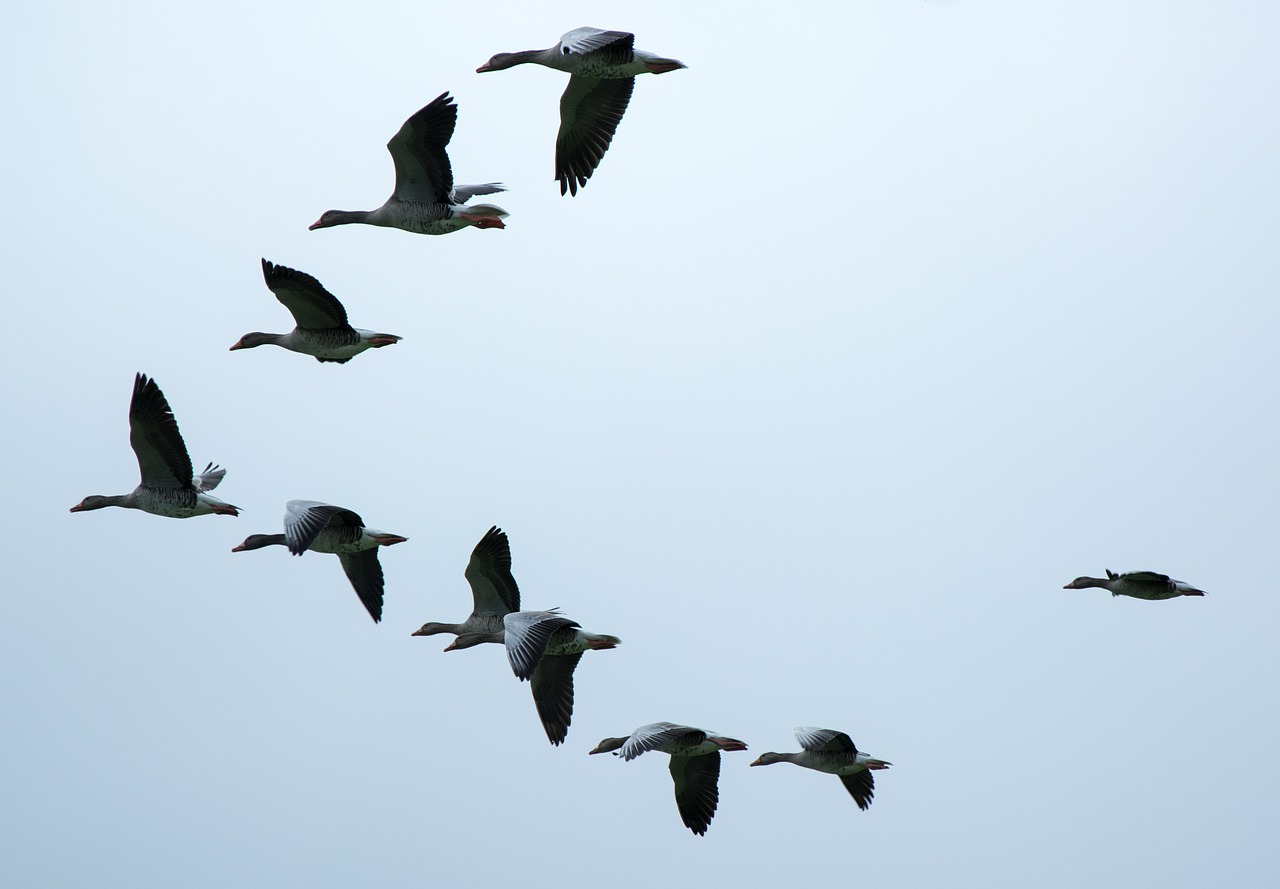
602,67
1138,584
826,750
494,593
322,330
544,647
322,528
695,764
425,200
168,487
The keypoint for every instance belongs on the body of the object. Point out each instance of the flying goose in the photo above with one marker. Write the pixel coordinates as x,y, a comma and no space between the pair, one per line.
321,528
1138,584
544,647
494,593
602,67
833,752
425,200
322,330
695,764
168,487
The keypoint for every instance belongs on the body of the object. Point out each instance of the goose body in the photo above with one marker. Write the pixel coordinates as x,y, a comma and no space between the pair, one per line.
833,752
322,329
544,647
425,200
695,764
169,487
322,528
1138,584
494,593
602,67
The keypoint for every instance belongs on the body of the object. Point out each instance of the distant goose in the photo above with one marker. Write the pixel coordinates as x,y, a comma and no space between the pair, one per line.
602,66
169,487
695,764
322,330
494,593
425,200
833,752
1138,584
322,528
545,647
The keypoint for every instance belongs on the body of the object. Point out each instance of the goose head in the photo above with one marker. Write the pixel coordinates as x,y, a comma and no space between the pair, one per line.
94,501
258,541
470,640
608,745
504,60
252,340
430,628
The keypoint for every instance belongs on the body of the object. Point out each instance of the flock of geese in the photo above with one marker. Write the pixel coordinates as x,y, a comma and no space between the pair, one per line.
543,647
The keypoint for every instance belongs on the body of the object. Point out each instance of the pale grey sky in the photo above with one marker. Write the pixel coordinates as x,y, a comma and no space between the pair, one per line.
877,325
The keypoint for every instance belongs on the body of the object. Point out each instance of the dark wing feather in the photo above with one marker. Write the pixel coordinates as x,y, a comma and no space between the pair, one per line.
493,588
422,165
163,461
552,687
365,573
1147,577
861,786
697,790
308,302
590,111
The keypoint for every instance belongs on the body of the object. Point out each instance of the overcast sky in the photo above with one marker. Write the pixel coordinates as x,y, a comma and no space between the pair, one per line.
876,325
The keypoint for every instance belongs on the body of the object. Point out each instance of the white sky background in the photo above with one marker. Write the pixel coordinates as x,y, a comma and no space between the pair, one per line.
876,326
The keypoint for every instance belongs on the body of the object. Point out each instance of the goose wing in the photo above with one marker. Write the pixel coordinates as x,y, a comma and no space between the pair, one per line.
861,786
697,781
1147,577
552,687
209,478
306,299
305,519
590,111
365,573
163,461
418,150
824,739
656,736
610,47
527,634
493,588
464,193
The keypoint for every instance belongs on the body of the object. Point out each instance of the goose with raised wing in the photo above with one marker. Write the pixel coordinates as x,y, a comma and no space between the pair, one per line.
544,647
602,67
169,487
1138,584
322,329
695,764
322,528
827,750
494,593
425,200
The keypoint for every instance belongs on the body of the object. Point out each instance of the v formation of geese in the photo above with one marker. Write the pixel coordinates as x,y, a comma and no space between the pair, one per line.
543,647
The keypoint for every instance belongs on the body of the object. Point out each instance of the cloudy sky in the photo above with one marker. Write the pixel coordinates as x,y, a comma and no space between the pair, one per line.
877,325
